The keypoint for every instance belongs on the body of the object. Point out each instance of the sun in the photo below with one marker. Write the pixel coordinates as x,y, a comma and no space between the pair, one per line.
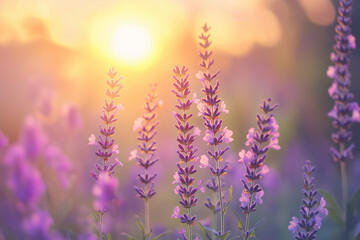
131,43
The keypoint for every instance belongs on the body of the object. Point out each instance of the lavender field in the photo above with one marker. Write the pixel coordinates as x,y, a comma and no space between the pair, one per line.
190,120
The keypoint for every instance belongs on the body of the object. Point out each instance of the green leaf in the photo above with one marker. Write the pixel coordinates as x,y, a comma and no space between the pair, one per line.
230,193
230,198
353,201
108,236
257,225
224,236
252,234
140,225
94,217
333,208
128,236
240,225
204,232
160,235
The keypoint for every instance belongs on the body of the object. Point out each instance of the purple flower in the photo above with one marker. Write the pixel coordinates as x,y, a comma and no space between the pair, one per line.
72,117
105,187
105,192
146,128
210,108
345,110
106,147
186,151
311,217
259,141
37,225
33,137
23,180
56,159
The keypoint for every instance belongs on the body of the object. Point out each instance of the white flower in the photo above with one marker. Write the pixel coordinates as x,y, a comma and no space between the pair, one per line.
244,199
204,161
197,132
209,137
176,213
133,154
115,149
250,137
293,227
331,72
92,140
227,135
138,124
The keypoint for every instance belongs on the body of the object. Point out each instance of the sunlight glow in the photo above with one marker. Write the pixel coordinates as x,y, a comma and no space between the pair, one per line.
131,43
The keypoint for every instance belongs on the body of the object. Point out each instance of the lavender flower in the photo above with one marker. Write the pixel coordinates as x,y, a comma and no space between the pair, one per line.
57,160
33,138
259,142
105,188
22,178
71,116
345,110
311,216
146,127
210,109
186,151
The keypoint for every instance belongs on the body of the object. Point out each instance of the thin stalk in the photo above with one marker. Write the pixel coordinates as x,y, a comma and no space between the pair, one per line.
147,219
101,226
344,186
221,203
189,226
214,213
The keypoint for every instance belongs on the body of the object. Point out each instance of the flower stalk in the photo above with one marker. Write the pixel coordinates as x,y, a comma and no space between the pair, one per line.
210,108
186,152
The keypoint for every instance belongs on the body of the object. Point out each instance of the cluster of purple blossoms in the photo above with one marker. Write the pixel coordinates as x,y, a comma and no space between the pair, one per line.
186,151
311,216
345,110
146,127
105,188
210,108
106,148
259,142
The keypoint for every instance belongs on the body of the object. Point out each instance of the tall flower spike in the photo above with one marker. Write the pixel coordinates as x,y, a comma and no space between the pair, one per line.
345,111
105,187
210,108
186,151
146,127
312,211
259,141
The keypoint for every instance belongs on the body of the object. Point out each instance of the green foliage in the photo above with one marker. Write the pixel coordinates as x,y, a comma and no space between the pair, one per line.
206,230
128,236
160,235
230,198
335,212
108,236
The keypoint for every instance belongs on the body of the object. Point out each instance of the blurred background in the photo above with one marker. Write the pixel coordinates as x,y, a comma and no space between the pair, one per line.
54,56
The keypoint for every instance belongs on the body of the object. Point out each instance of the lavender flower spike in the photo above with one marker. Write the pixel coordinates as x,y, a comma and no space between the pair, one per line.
146,127
105,188
260,141
345,110
311,216
211,107
186,151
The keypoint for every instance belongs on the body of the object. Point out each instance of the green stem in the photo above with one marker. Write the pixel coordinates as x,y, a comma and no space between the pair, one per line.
147,219
214,213
221,207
